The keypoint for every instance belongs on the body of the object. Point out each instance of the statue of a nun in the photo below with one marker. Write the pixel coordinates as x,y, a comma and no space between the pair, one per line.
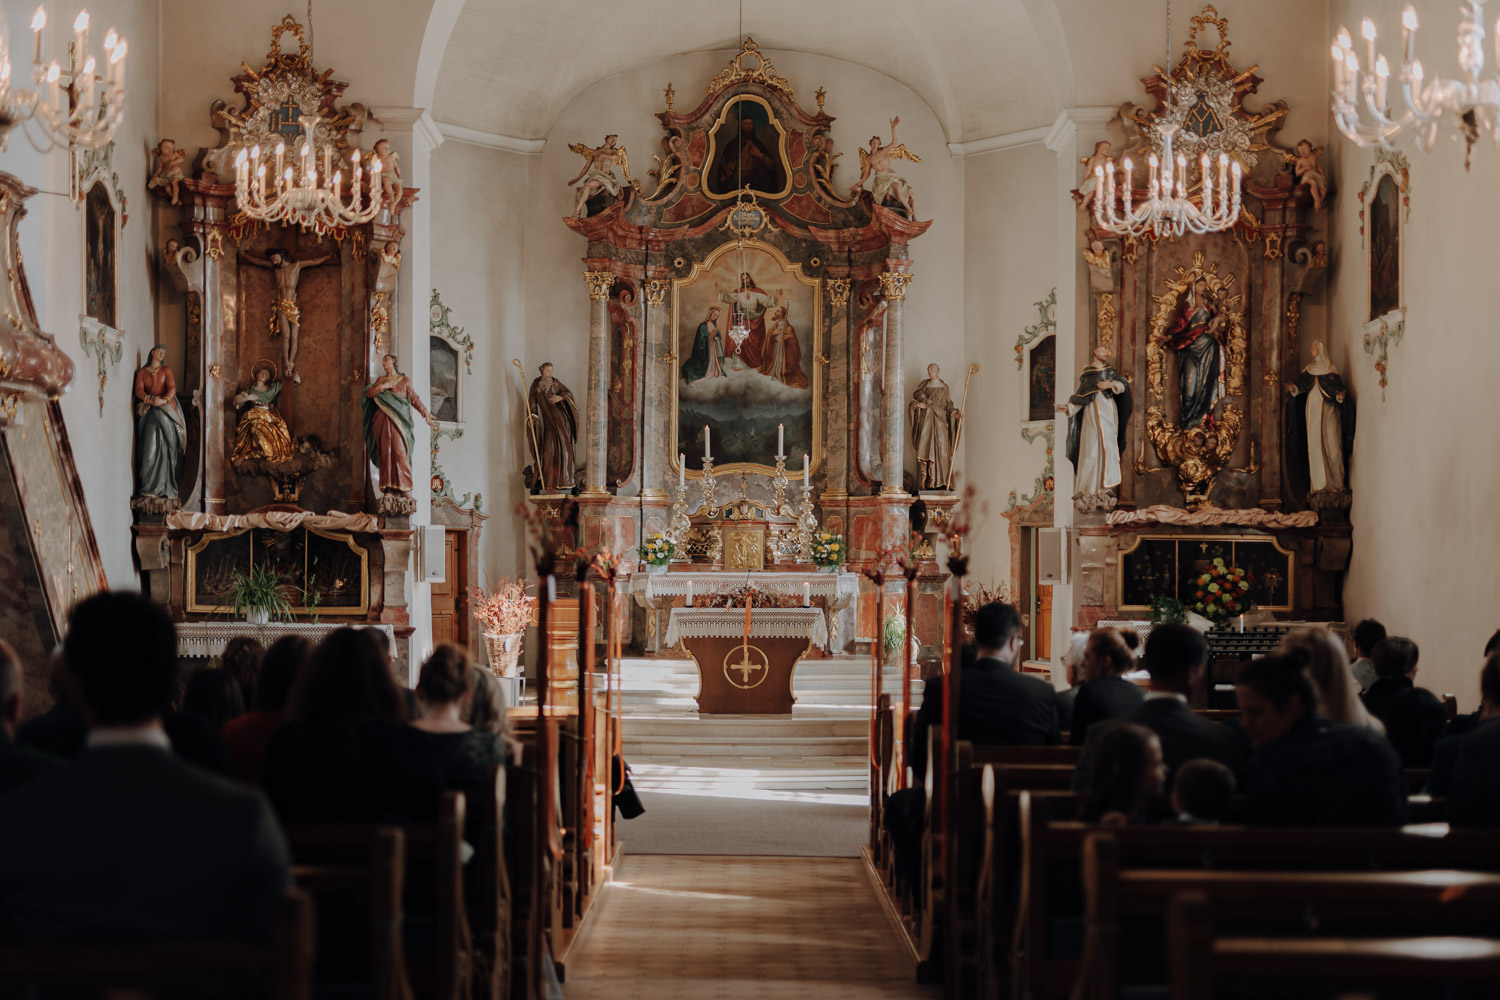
1320,425
1097,417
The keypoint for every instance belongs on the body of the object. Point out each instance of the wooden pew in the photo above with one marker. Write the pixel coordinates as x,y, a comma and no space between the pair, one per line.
487,893
434,852
1205,966
283,965
1119,896
355,874
530,865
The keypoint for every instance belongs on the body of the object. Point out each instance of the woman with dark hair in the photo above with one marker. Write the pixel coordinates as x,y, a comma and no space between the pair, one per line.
344,756
487,708
248,736
241,659
1127,772
1414,717
214,696
1106,694
443,692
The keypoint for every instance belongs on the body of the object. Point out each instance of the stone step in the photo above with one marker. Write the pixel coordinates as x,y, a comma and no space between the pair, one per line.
700,776
756,747
741,726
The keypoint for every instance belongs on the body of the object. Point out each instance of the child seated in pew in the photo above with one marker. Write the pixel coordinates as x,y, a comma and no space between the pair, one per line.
1126,775
1203,792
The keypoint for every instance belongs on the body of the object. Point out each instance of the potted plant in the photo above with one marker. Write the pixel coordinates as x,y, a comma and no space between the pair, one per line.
827,550
503,615
1167,610
656,552
258,596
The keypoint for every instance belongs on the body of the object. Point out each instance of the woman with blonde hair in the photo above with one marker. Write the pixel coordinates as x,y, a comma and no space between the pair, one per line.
1328,669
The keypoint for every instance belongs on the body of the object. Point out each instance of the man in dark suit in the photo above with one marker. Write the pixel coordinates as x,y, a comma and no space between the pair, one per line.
1306,770
1176,656
1473,760
997,705
132,842
1445,753
18,765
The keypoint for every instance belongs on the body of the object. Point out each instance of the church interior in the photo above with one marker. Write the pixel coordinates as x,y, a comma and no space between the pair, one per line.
747,499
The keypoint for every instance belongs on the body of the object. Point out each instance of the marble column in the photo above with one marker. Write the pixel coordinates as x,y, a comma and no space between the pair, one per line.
893,423
596,420
657,452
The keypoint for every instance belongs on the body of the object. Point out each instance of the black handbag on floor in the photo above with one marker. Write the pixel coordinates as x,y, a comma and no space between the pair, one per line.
625,798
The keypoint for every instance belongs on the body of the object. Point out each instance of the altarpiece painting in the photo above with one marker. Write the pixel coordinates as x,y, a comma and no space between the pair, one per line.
1385,246
747,151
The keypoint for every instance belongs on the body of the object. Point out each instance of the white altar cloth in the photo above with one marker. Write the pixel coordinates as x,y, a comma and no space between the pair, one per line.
765,623
839,588
203,639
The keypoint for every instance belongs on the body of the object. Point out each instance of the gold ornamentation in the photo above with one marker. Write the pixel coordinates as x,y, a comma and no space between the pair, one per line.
1141,468
10,403
380,319
1270,379
1132,249
357,377
670,95
1293,322
838,292
215,244
893,284
656,292
1273,246
215,370
764,73
600,283
1378,346
1045,326
357,245
1199,453
746,218
824,360
820,96
1107,320
1252,468
745,668
679,263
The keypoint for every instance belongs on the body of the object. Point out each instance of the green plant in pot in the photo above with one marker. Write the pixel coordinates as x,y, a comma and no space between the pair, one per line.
258,596
892,635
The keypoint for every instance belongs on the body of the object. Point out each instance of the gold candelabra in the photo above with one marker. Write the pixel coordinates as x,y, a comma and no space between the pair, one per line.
780,504
678,525
807,522
708,508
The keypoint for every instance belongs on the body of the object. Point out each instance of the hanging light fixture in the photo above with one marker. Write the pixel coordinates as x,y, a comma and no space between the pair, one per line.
306,188
1167,208
738,331
80,106
1473,102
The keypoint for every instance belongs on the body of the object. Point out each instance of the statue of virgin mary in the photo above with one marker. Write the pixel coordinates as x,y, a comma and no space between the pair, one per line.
1200,372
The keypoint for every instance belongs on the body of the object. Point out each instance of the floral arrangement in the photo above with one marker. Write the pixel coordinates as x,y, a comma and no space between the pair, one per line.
1167,610
758,599
505,610
657,549
978,596
1222,592
827,548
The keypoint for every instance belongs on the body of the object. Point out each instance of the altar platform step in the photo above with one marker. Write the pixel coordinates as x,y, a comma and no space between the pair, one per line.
835,687
691,776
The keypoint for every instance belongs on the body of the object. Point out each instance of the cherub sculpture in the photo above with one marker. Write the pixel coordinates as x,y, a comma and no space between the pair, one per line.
888,188
1309,173
391,187
1088,189
168,172
1101,262
597,174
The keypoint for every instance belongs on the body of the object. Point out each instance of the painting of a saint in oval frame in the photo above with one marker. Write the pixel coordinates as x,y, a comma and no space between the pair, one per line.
745,391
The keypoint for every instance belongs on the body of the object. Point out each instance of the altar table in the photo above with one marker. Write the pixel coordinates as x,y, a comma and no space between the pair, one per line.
830,592
736,678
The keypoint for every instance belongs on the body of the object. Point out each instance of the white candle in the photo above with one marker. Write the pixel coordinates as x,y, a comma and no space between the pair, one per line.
1242,623
38,22
708,451
690,594
780,440
806,594
805,481
681,471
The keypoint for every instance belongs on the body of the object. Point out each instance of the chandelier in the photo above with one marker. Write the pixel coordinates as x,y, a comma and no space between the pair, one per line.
301,193
80,106
1167,208
1474,102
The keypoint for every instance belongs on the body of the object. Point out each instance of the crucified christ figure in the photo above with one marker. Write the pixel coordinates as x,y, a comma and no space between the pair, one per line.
286,318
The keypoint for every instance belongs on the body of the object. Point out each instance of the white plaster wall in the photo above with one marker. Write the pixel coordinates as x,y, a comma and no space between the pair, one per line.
479,197
51,239
1010,249
863,101
1424,475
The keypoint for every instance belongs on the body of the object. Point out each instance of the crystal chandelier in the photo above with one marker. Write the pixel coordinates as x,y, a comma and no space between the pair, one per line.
301,193
76,105
1474,102
1167,208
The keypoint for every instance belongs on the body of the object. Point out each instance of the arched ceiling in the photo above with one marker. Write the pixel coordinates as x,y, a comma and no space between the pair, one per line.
512,66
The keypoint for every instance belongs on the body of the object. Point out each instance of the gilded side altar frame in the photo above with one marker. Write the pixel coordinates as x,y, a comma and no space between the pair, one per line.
197,607
1291,560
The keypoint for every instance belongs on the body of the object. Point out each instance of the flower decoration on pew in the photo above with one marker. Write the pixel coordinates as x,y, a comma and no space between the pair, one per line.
1222,592
657,549
758,599
828,549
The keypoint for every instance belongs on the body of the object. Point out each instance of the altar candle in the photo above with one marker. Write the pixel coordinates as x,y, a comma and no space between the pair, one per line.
780,440
708,451
806,594
805,481
690,594
1242,623
681,471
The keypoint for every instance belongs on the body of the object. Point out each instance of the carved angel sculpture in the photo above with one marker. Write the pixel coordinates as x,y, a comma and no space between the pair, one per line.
597,174
888,189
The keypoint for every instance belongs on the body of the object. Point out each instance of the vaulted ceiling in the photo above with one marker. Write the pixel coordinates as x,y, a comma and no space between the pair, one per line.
985,67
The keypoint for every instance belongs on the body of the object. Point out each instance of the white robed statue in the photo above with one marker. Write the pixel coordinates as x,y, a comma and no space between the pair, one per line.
1320,425
1097,417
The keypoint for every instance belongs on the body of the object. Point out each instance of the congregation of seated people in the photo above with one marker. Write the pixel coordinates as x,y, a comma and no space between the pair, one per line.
148,806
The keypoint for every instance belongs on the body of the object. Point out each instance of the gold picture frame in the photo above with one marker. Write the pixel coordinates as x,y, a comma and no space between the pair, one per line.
1291,560
196,606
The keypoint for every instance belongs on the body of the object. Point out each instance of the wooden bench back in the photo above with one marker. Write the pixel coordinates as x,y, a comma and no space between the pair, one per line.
487,888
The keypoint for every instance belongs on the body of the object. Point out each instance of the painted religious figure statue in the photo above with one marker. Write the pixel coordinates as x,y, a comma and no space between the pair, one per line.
707,359
1098,414
1088,188
167,174
286,318
160,430
783,355
1194,335
261,432
389,402
556,421
752,304
598,175
1320,425
889,189
934,426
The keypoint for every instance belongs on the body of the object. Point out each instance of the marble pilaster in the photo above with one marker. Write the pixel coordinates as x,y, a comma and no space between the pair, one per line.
893,405
596,420
657,452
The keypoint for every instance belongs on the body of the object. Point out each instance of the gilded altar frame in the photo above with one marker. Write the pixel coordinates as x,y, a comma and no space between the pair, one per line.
718,130
1291,562
195,605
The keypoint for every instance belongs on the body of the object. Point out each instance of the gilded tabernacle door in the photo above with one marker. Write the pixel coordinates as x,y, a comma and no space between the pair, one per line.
748,327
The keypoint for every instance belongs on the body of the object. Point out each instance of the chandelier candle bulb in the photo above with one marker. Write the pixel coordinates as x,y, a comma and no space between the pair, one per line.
1382,78
1367,29
38,23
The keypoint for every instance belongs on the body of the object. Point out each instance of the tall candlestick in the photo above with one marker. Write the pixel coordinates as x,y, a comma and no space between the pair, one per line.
805,480
708,451
780,440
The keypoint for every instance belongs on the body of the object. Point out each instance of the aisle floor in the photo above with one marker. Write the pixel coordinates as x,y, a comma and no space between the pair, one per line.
728,928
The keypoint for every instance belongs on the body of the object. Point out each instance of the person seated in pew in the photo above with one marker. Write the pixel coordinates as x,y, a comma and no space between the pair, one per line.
247,737
18,765
1474,788
1366,635
214,696
1126,776
132,842
60,731
244,659
488,710
1176,656
1072,661
345,756
1306,770
1106,694
1413,717
997,706
1445,752
1203,792
1328,669
1461,724
443,693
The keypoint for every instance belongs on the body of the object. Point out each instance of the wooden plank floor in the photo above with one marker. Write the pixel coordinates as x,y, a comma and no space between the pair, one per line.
726,928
